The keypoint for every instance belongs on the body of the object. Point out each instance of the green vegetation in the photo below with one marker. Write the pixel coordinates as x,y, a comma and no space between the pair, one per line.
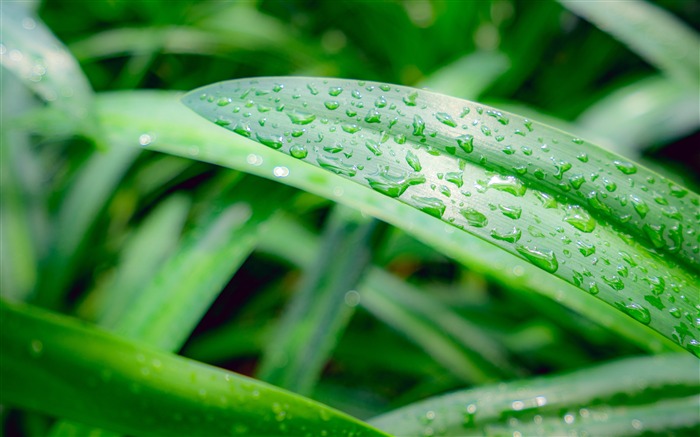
205,231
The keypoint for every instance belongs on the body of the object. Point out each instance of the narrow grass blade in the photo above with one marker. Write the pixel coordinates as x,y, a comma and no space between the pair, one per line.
41,61
168,309
482,68
654,34
651,111
454,342
86,198
125,387
576,211
318,313
174,130
148,247
633,381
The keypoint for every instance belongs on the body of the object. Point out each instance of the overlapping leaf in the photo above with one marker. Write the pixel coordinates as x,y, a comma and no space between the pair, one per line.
606,225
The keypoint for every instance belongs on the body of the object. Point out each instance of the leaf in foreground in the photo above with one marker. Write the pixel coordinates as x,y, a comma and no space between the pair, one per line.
606,225
126,387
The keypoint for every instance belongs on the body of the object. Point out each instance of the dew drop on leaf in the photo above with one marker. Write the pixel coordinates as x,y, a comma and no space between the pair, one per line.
446,119
336,166
331,104
511,236
580,219
625,167
542,258
272,141
300,117
474,217
466,143
413,161
429,205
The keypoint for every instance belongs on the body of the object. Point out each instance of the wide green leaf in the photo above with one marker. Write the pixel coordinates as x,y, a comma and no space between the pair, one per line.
63,367
606,225
154,120
617,398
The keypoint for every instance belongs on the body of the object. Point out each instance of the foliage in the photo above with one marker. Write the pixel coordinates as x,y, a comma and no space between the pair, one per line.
393,260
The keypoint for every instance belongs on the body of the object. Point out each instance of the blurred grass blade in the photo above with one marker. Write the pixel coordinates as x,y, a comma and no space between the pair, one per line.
63,367
459,346
40,60
654,34
148,247
482,68
319,311
651,111
85,199
173,129
169,308
563,398
576,211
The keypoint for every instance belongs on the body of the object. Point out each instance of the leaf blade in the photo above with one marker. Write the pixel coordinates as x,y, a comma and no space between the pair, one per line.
510,167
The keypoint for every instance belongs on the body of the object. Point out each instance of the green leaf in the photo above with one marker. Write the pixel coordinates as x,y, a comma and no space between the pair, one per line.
318,314
170,306
653,33
66,368
612,228
601,401
173,129
43,64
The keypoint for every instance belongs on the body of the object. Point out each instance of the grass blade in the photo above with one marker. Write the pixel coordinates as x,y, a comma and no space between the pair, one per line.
568,207
44,65
651,111
175,130
169,308
318,313
125,387
622,383
651,32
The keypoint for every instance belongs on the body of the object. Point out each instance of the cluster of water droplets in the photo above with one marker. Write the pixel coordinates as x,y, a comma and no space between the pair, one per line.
475,168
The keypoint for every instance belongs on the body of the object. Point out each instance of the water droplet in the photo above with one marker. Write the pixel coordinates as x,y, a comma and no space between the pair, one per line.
332,104
272,141
511,236
335,91
373,116
380,102
373,147
513,212
243,129
351,128
393,185
224,101
498,116
455,177
418,126
356,94
580,219
675,312
413,161
429,205
466,143
638,312
577,141
300,117
337,166
333,148
298,151
614,281
677,191
625,167
410,99
585,248
446,119
474,217
542,258
508,184
655,234
639,205
577,180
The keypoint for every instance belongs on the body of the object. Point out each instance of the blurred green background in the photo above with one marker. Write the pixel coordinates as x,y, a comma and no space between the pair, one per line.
535,58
